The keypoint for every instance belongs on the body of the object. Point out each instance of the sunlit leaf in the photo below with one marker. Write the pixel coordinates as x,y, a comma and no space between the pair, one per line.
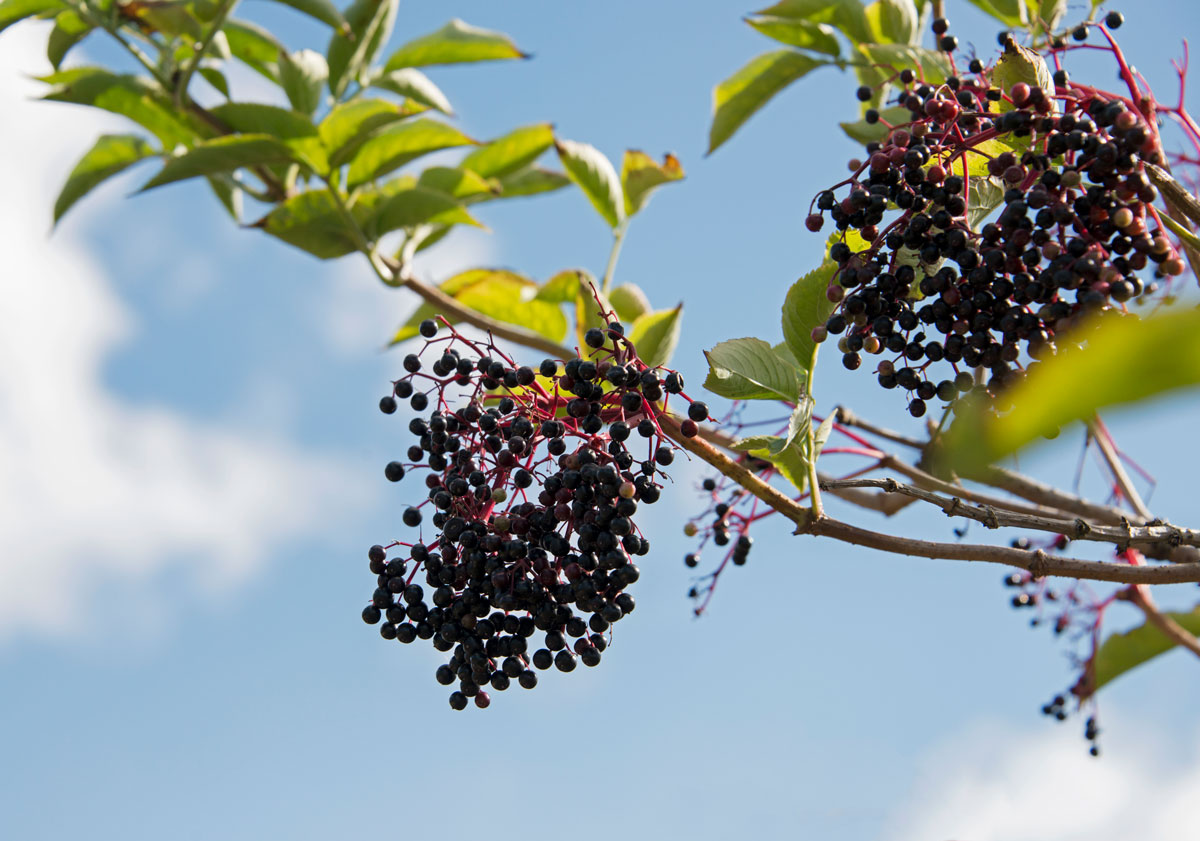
416,206
655,335
69,29
594,173
303,75
805,307
798,32
349,125
743,93
640,175
392,147
370,23
456,182
415,85
1121,653
531,182
865,132
254,46
629,301
894,21
322,10
562,287
12,11
221,154
454,43
111,154
512,152
1124,359
750,369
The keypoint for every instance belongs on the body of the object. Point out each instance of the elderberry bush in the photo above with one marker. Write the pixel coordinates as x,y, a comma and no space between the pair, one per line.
946,298
533,481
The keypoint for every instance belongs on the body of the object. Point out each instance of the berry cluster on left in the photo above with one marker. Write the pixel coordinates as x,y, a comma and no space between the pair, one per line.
534,478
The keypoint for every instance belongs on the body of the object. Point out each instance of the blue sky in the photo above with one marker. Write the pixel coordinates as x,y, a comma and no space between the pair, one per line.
193,474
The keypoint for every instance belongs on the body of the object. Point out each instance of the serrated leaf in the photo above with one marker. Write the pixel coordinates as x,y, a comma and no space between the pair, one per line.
1121,653
798,32
1019,64
655,335
531,182
350,124
254,46
865,132
303,75
894,21
629,301
512,152
322,10
390,148
215,78
415,206
370,25
640,175
111,154
221,154
750,369
455,182
455,43
743,93
1124,359
293,129
415,85
504,296
1011,13
69,29
805,307
133,97
228,193
13,11
594,173
788,460
563,287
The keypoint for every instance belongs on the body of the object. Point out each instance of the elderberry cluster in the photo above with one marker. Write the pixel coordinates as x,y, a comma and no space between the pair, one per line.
534,479
924,284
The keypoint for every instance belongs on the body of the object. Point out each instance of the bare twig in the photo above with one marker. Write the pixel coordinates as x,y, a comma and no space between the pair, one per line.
1113,459
1175,632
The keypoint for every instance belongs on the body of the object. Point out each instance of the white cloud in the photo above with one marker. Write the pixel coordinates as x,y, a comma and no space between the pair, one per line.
992,783
95,491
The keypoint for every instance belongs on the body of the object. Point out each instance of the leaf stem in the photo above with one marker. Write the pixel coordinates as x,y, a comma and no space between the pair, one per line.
610,269
189,69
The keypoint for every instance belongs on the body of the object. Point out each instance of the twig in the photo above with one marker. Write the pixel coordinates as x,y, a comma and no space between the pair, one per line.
847,417
1170,628
1113,460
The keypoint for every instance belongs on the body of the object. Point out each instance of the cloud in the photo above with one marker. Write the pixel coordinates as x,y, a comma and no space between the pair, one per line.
94,490
992,783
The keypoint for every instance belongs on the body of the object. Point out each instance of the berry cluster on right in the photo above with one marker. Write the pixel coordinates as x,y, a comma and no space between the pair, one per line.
947,300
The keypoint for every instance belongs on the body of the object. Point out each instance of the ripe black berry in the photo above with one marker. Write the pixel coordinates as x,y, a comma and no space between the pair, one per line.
428,328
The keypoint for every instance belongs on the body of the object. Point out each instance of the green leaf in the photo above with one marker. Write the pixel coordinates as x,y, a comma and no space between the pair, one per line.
932,65
392,147
532,181
640,175
655,335
563,287
589,313
415,85
1019,64
303,75
418,205
986,195
1186,237
350,124
502,295
1125,359
894,21
865,132
798,32
370,23
1051,12
846,15
455,43
512,152
221,154
629,301
786,455
807,306
455,182
69,29
111,154
1011,13
215,78
229,194
322,10
743,93
1121,653
13,11
750,369
293,129
821,436
594,173
311,221
133,97
255,47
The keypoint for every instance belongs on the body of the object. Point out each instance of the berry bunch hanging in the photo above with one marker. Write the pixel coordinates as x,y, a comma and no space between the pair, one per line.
944,298
534,479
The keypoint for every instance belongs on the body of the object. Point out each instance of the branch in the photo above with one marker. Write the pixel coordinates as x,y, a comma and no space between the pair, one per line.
1035,561
1113,460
